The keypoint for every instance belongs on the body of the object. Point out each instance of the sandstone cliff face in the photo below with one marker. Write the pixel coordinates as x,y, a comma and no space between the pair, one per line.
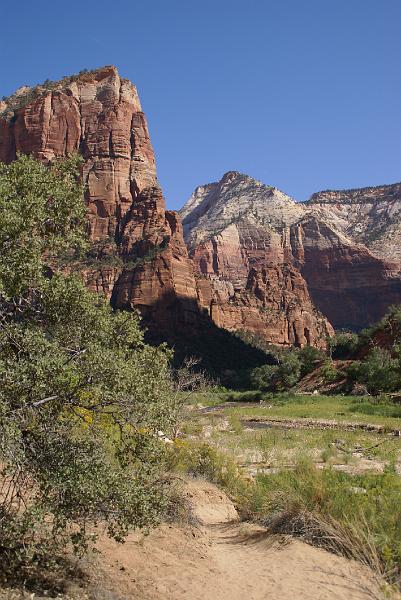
259,260
369,216
258,248
99,115
348,284
238,231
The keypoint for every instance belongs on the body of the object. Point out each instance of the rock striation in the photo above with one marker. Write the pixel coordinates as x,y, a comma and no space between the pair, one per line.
142,261
255,247
369,216
239,235
257,260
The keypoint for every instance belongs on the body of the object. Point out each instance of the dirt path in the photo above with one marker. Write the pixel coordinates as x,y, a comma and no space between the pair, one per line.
223,559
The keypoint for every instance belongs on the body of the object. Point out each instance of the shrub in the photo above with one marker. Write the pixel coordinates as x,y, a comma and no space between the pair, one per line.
343,345
379,371
202,460
289,370
329,372
278,377
250,396
310,358
264,377
82,397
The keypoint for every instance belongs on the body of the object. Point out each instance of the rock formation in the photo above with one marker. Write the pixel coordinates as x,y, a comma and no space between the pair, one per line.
369,216
265,261
142,260
259,261
238,232
350,285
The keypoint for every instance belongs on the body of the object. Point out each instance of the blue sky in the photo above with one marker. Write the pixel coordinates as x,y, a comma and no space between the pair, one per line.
301,94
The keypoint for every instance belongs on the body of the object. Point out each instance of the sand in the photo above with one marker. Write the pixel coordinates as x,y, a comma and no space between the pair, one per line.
220,558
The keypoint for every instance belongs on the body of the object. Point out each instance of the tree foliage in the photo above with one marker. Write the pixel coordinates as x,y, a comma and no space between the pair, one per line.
343,345
281,376
380,372
82,397
310,358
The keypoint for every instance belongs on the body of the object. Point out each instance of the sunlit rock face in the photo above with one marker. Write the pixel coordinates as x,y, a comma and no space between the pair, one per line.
143,261
266,262
239,235
259,261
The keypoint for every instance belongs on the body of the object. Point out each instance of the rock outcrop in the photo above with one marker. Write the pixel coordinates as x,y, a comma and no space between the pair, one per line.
259,261
142,260
350,285
265,262
238,232
368,216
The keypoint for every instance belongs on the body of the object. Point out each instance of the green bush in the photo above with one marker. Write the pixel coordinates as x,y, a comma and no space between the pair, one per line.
329,372
343,345
264,377
202,460
379,371
310,358
250,396
279,377
82,397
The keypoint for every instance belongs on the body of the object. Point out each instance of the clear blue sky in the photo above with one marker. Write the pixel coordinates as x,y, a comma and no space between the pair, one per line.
302,94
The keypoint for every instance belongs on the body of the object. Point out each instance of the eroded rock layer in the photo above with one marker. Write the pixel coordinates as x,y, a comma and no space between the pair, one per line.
142,260
350,285
247,275
255,247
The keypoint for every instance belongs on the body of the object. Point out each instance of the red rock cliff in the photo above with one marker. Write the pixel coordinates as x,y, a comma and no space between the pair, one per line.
239,238
99,115
266,261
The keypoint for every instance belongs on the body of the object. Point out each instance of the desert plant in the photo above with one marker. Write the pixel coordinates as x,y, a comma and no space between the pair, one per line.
82,397
310,358
329,372
357,516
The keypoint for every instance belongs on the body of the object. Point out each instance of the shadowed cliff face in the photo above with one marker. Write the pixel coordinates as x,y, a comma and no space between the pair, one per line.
267,262
348,284
99,115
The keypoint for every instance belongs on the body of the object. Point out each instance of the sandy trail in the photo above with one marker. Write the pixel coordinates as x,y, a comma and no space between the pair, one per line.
223,559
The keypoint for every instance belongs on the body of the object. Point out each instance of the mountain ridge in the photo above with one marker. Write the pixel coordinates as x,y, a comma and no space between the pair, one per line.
258,260
345,244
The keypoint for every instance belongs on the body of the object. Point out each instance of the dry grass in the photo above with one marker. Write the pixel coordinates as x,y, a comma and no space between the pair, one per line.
344,539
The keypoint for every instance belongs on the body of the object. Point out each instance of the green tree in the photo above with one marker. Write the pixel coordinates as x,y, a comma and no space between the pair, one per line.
379,371
329,372
264,377
82,397
343,345
289,370
310,358
279,377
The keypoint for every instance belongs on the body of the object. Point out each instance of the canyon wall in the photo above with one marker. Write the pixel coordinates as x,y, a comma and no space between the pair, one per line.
142,261
238,233
258,248
257,261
